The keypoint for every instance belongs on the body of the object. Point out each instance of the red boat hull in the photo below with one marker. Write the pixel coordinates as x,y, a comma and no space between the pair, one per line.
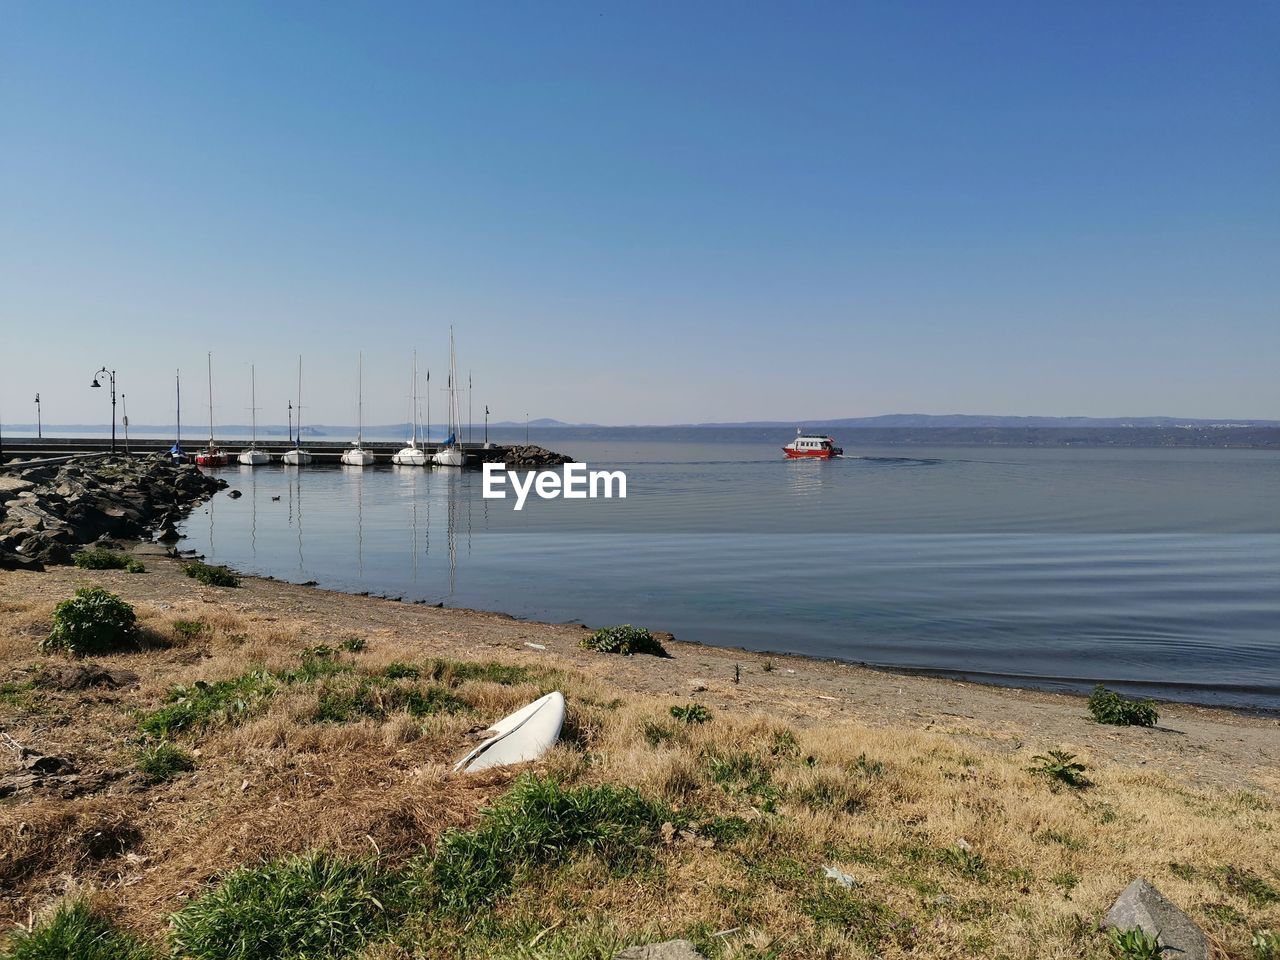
808,454
211,460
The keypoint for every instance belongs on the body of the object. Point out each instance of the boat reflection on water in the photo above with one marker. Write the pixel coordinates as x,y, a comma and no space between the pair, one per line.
269,536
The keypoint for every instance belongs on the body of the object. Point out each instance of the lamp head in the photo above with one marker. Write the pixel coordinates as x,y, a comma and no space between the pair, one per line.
95,383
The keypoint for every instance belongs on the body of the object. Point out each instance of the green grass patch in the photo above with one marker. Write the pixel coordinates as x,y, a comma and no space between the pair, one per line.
375,698
299,908
831,791
1245,883
692,713
624,639
18,693
75,932
210,575
1061,767
314,663
163,761
867,921
401,671
190,629
94,621
203,705
454,672
97,559
539,823
1107,706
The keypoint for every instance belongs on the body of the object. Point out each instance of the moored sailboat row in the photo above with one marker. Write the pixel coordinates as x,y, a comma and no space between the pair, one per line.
449,454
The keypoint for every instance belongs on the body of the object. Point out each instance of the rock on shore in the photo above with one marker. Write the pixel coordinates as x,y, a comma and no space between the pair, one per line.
47,511
526,457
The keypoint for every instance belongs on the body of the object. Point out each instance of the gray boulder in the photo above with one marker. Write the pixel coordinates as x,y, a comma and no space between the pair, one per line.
1144,907
668,950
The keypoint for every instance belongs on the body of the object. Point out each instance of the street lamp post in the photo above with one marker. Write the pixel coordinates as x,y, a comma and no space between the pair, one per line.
39,428
111,374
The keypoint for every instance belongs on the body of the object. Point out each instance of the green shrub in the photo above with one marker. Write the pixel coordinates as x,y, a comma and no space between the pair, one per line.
1266,945
212,576
75,932
97,559
692,713
203,705
93,621
164,761
1107,706
1061,767
352,644
625,639
1135,944
537,822
295,909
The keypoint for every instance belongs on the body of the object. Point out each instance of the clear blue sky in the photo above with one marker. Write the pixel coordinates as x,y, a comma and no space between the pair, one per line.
645,212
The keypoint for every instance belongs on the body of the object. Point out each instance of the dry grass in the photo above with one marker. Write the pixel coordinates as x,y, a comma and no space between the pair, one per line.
957,850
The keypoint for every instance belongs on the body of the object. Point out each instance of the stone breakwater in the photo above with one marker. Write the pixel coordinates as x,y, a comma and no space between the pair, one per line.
524,457
49,511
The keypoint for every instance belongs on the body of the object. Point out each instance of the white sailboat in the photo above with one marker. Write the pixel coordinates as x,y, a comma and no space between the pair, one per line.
451,454
253,457
357,455
412,455
298,457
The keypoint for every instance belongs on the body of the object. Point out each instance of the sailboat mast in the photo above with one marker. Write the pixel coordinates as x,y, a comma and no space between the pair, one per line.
455,414
299,401
210,359
253,404
359,396
177,379
413,394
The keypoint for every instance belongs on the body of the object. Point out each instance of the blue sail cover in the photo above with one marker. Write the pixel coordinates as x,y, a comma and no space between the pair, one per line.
450,441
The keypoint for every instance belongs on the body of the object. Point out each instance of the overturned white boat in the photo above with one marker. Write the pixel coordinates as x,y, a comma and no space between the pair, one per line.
525,735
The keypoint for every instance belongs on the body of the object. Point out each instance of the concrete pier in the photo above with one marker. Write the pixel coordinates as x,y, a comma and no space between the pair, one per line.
325,451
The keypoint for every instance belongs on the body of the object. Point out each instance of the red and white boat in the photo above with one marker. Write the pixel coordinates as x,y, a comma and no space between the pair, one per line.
812,445
212,455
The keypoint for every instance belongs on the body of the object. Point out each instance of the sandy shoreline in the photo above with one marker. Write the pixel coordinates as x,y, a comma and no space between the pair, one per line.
1202,745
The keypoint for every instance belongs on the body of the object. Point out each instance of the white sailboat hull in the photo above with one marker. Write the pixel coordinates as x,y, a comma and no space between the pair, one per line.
410,457
253,458
448,457
357,457
296,458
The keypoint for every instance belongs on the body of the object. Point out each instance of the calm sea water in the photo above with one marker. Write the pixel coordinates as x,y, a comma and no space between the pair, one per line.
1155,571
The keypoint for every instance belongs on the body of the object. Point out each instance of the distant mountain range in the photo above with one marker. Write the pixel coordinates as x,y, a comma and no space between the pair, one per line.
884,421
970,421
